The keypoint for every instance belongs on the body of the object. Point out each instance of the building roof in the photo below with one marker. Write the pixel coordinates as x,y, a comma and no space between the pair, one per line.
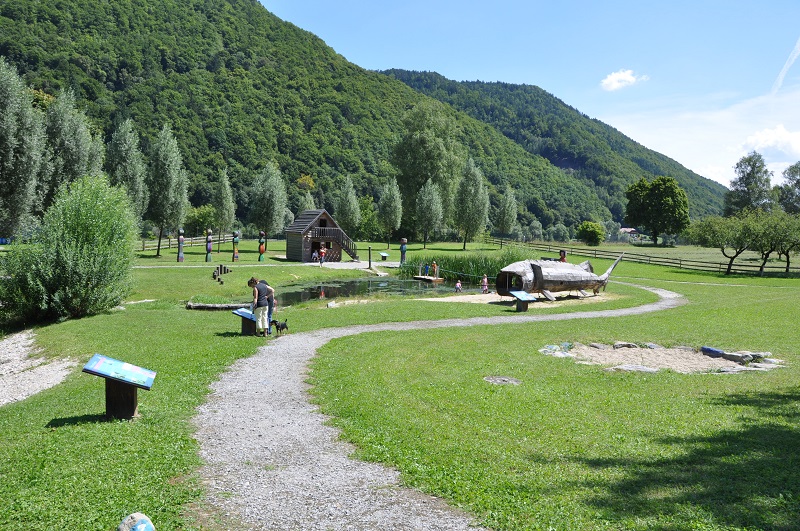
306,220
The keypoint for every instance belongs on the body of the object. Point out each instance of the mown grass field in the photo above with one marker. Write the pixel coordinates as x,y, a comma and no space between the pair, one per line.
573,447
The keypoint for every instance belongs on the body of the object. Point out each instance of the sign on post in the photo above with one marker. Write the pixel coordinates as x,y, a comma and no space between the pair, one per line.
122,383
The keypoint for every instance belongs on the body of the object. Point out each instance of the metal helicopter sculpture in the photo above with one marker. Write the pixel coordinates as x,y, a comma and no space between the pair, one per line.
551,276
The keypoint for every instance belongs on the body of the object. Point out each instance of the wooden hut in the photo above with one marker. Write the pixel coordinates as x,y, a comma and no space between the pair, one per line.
313,229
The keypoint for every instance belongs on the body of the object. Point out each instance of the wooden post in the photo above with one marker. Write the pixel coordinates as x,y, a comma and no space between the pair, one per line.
121,400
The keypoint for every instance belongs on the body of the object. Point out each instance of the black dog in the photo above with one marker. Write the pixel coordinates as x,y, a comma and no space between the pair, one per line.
280,328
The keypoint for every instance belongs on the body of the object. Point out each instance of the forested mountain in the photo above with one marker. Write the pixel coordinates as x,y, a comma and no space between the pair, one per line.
586,148
241,88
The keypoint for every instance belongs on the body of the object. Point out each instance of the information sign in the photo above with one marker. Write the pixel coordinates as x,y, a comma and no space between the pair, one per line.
120,371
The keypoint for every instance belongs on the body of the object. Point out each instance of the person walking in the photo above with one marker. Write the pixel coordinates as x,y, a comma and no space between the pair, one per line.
263,297
322,252
485,285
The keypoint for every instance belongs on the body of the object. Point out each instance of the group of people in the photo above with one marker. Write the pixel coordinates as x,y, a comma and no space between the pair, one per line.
484,285
319,255
263,304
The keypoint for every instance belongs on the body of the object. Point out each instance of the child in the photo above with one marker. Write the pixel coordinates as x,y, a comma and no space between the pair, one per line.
485,284
458,286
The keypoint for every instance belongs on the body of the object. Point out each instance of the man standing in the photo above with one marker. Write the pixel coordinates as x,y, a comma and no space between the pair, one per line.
263,297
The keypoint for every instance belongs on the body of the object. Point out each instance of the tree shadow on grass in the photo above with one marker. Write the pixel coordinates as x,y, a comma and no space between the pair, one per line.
747,477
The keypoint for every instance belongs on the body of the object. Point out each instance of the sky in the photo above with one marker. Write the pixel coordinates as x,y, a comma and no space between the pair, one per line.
704,82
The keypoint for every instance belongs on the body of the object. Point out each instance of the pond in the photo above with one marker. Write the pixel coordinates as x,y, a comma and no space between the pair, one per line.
331,289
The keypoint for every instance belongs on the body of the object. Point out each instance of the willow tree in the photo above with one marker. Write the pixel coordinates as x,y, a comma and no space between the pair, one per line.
71,151
428,150
21,149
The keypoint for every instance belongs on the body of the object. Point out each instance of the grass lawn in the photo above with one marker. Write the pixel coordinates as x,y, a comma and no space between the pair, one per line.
573,447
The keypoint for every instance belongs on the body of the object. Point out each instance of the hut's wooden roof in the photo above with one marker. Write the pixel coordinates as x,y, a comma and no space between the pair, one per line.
306,219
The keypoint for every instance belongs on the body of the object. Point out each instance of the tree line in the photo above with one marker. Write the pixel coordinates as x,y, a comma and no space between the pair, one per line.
757,216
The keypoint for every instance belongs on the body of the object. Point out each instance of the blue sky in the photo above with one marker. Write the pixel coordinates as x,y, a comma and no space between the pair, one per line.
703,82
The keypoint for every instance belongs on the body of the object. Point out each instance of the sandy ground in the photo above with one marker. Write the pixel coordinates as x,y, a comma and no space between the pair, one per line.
681,360
494,298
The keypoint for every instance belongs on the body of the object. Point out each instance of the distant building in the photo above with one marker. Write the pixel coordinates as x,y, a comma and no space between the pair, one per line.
314,229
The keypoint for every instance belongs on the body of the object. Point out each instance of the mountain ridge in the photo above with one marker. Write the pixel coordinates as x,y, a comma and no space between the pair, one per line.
241,87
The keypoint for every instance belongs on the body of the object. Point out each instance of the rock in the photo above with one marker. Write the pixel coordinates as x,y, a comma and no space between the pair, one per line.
632,368
712,352
755,355
599,346
774,361
625,344
765,366
653,345
332,304
136,522
737,357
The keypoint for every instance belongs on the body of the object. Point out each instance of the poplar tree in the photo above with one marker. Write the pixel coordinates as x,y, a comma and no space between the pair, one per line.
306,202
390,208
168,185
268,200
126,166
506,212
22,144
224,205
472,203
429,210
348,213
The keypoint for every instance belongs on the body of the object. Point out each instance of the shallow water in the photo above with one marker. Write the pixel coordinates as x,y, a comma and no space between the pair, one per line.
331,289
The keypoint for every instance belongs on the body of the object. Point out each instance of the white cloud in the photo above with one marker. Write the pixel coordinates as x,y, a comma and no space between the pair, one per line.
621,79
777,139
709,137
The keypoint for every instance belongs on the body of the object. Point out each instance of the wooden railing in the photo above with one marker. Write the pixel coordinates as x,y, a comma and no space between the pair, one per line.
680,263
336,235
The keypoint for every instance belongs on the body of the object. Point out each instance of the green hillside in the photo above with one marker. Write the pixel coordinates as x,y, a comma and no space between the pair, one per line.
240,88
586,148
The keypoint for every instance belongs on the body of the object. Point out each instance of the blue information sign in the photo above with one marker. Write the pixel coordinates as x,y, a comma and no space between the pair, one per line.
118,370
243,312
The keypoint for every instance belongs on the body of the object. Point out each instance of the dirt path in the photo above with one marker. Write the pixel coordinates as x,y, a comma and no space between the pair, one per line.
274,463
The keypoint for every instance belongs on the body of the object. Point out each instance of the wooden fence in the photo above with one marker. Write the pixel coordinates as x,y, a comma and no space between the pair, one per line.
169,243
679,263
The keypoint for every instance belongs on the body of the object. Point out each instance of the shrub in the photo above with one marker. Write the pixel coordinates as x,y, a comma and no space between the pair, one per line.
79,263
591,233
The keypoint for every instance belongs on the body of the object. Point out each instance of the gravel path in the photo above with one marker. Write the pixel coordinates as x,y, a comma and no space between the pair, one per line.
22,375
272,463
